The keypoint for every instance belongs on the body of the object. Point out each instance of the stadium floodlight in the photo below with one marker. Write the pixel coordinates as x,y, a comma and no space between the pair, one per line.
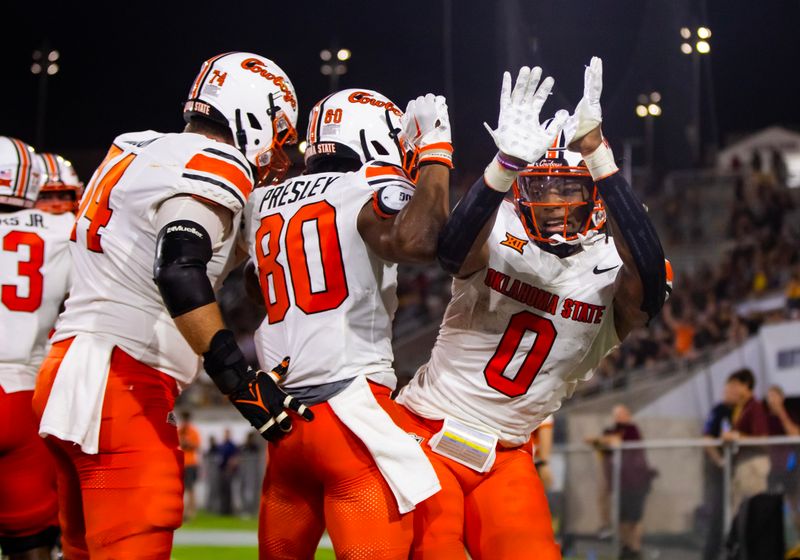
343,54
686,48
36,68
52,56
325,55
686,33
52,69
326,69
655,97
703,32
703,47
654,109
641,110
301,147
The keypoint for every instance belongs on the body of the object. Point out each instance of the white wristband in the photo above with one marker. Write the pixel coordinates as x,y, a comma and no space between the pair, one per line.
601,162
499,178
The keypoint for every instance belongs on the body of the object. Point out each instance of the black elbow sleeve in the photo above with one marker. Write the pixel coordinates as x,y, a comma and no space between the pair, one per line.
183,249
641,238
465,224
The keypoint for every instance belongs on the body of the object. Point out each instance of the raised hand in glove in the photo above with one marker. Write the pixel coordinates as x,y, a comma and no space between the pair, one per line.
520,134
588,114
255,394
426,124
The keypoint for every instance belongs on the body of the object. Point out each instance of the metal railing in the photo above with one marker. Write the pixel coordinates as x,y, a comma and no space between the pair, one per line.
563,454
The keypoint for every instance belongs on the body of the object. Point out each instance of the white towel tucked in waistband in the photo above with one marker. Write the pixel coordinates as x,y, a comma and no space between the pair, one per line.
399,457
75,406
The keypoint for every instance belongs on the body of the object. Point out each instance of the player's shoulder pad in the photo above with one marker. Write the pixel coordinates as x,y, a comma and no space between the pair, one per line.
137,141
220,171
378,174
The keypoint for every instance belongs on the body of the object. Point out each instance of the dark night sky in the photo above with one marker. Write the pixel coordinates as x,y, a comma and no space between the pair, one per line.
128,67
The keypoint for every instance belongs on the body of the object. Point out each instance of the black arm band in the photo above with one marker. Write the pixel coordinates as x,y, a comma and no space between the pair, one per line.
636,228
224,362
183,249
465,224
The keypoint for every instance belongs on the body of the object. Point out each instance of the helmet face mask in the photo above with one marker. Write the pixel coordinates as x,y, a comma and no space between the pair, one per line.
254,98
557,199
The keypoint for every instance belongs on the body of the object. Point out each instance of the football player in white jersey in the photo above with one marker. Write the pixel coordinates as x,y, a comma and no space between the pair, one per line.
34,274
325,246
540,295
63,190
153,238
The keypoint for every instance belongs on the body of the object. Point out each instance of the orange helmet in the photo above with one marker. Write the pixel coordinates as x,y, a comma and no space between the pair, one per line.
61,178
560,186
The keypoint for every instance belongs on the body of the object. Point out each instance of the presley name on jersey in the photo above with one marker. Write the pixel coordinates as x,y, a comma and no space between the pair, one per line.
115,241
519,335
35,278
334,320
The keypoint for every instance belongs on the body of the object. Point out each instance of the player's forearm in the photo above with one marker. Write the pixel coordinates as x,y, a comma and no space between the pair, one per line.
416,228
471,221
199,326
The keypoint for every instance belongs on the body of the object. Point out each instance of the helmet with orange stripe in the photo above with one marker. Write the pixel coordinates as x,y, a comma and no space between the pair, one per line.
558,201
254,98
21,173
358,124
62,189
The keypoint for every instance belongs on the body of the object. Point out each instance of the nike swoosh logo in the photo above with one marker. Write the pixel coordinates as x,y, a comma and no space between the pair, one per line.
602,270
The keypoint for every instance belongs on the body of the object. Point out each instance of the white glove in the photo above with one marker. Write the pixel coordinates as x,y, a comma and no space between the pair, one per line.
588,114
519,133
426,124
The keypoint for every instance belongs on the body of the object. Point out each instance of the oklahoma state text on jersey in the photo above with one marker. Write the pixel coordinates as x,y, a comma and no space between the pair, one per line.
519,335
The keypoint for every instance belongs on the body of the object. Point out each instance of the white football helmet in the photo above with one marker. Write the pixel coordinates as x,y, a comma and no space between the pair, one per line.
61,178
21,173
253,97
361,124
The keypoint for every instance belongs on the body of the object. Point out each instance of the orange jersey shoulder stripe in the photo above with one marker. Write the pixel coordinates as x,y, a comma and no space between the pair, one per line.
375,171
225,170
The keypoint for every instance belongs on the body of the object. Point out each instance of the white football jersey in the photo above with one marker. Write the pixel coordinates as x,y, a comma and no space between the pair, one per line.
519,335
35,276
114,294
330,300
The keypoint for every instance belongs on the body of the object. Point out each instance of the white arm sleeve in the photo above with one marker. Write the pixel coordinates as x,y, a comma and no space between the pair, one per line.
215,219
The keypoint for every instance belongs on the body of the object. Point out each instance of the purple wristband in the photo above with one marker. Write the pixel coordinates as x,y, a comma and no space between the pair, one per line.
508,164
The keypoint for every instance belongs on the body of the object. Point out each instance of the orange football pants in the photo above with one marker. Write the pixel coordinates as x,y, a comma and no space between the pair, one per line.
125,501
28,499
502,514
321,475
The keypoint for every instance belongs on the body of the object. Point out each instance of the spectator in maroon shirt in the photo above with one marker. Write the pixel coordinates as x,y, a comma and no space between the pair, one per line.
635,480
751,467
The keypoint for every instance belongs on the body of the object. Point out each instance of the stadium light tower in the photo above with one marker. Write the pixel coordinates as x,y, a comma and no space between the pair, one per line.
45,64
649,108
334,64
696,43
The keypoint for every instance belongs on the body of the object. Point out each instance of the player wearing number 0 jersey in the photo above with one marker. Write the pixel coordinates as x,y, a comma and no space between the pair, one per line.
541,293
325,246
35,275
154,237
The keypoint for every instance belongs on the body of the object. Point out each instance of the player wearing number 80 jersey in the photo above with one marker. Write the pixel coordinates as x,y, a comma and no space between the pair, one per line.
325,246
34,275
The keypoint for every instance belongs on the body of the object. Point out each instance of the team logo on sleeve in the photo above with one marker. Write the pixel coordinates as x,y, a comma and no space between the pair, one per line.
514,242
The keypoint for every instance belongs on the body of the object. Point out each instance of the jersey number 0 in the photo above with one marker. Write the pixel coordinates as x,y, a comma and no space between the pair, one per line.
309,232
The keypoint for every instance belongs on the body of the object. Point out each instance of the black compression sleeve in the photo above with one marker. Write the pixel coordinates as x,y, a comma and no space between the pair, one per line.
636,228
183,249
465,224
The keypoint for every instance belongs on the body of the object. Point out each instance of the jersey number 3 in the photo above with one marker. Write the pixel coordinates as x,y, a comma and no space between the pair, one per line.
314,258
31,269
514,384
